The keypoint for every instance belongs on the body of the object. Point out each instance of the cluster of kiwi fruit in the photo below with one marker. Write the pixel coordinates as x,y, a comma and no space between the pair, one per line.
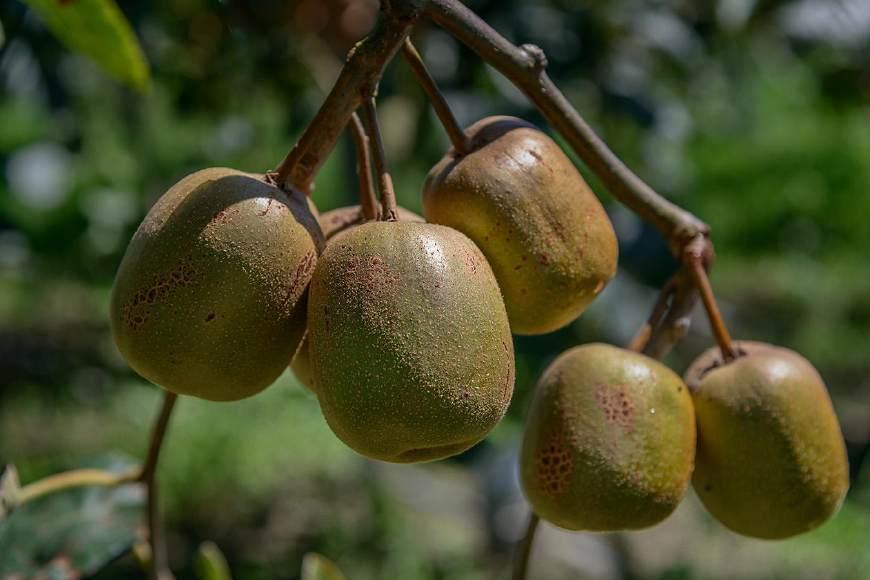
614,438
402,329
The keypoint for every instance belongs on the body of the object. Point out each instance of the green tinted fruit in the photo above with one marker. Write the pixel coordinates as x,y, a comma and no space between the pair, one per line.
521,200
609,441
771,459
409,341
331,223
209,298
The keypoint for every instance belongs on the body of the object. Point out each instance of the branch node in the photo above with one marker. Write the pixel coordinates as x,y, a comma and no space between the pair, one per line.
536,53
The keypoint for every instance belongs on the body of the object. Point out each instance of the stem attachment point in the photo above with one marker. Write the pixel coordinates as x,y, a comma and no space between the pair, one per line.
389,210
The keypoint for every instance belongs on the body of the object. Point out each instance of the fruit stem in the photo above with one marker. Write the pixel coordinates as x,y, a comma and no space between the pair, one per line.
389,212
642,338
368,200
355,84
159,567
524,549
439,103
697,269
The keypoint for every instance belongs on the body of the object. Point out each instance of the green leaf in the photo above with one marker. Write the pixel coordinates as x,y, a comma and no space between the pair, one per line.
316,567
211,564
98,29
72,533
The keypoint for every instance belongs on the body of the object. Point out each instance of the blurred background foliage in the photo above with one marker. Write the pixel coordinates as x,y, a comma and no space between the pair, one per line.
753,113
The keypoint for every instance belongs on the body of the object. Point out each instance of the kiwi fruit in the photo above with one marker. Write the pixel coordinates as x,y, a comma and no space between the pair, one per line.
209,299
521,200
771,459
331,223
609,441
409,342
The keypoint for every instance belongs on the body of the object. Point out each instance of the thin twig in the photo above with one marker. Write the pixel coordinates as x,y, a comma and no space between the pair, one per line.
356,84
102,478
72,479
159,565
524,549
524,66
158,435
159,569
675,324
389,211
645,333
439,103
368,200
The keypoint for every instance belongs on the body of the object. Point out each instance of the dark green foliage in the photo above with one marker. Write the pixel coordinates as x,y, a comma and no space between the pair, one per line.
72,533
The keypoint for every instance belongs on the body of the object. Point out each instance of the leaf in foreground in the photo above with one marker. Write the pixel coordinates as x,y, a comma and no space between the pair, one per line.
98,29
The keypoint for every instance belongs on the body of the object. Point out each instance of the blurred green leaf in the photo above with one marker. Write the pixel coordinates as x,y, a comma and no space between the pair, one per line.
2,36
211,564
316,567
98,29
9,487
72,533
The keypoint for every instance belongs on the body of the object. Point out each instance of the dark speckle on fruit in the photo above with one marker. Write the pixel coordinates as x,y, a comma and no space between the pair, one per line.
590,459
409,342
207,252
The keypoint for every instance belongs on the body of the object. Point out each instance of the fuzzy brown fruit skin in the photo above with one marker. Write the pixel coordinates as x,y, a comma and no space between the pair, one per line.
771,459
410,345
521,200
609,441
209,298
331,223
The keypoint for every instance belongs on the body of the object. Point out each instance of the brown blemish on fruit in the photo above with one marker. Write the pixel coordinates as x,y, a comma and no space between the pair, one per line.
224,216
471,261
298,282
268,207
137,311
211,316
554,464
616,405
